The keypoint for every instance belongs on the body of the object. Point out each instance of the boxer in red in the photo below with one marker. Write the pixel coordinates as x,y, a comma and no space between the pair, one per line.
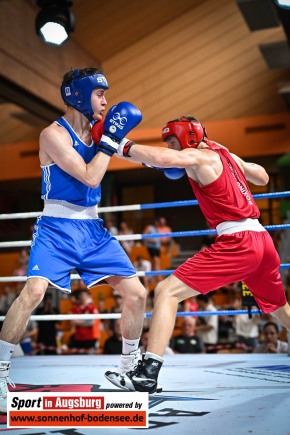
243,249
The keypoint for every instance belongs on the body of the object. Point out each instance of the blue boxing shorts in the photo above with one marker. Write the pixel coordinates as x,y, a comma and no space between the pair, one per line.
60,245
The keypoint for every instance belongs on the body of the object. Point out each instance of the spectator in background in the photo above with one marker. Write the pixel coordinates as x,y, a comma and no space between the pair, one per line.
113,344
23,263
6,298
87,332
74,298
190,304
187,341
116,308
111,227
124,230
143,265
247,330
47,329
102,306
153,246
28,340
207,326
163,228
144,343
271,343
148,309
226,330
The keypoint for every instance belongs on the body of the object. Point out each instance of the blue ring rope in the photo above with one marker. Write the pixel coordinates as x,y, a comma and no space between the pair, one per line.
209,313
205,232
270,195
134,207
170,271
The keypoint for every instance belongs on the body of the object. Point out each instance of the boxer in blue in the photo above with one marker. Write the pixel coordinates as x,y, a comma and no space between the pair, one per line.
69,234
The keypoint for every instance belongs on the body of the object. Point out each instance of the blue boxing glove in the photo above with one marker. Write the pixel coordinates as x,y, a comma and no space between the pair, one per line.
120,119
174,173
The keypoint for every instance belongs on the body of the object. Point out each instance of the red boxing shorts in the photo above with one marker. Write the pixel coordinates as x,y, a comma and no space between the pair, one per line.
246,256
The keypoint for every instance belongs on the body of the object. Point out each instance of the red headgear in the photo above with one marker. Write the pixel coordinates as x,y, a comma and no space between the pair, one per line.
188,130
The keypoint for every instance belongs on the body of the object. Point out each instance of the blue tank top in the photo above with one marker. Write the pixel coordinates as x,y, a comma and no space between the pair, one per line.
58,184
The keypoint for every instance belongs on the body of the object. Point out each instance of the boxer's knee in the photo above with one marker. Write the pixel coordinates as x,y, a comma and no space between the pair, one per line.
135,294
32,293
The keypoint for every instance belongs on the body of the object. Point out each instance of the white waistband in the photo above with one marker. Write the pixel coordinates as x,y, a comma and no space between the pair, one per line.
63,209
230,227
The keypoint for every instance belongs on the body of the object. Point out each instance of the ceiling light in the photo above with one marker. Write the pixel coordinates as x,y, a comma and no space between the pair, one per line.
55,21
283,3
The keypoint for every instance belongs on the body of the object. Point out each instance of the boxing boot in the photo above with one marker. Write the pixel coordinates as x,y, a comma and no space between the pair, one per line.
143,378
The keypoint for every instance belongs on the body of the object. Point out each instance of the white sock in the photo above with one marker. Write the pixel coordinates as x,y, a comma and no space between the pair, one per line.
154,356
129,346
6,350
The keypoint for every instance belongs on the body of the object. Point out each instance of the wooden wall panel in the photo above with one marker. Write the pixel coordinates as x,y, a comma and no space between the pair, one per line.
29,62
247,137
205,62
109,27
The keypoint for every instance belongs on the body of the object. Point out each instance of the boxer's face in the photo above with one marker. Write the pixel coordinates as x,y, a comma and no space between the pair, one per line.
173,143
99,103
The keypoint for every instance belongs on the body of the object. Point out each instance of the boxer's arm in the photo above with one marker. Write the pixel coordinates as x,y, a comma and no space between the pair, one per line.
169,172
254,173
55,145
162,157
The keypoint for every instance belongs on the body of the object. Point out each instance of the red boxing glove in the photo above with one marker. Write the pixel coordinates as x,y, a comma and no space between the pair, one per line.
97,131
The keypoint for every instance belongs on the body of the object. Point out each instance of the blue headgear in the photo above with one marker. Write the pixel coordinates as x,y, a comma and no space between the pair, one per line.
77,93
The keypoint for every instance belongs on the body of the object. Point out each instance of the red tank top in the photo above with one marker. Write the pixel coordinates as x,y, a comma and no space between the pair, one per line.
228,198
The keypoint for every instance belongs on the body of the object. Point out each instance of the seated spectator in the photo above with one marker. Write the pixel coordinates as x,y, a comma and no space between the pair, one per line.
153,246
207,326
207,240
102,306
47,329
144,343
148,309
111,227
87,332
187,341
28,340
272,344
104,323
23,263
247,329
226,330
113,344
6,298
116,308
74,298
163,228
127,245
143,265
190,304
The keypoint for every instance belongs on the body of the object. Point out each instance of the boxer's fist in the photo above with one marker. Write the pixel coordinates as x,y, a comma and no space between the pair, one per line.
124,147
97,131
120,119
174,173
